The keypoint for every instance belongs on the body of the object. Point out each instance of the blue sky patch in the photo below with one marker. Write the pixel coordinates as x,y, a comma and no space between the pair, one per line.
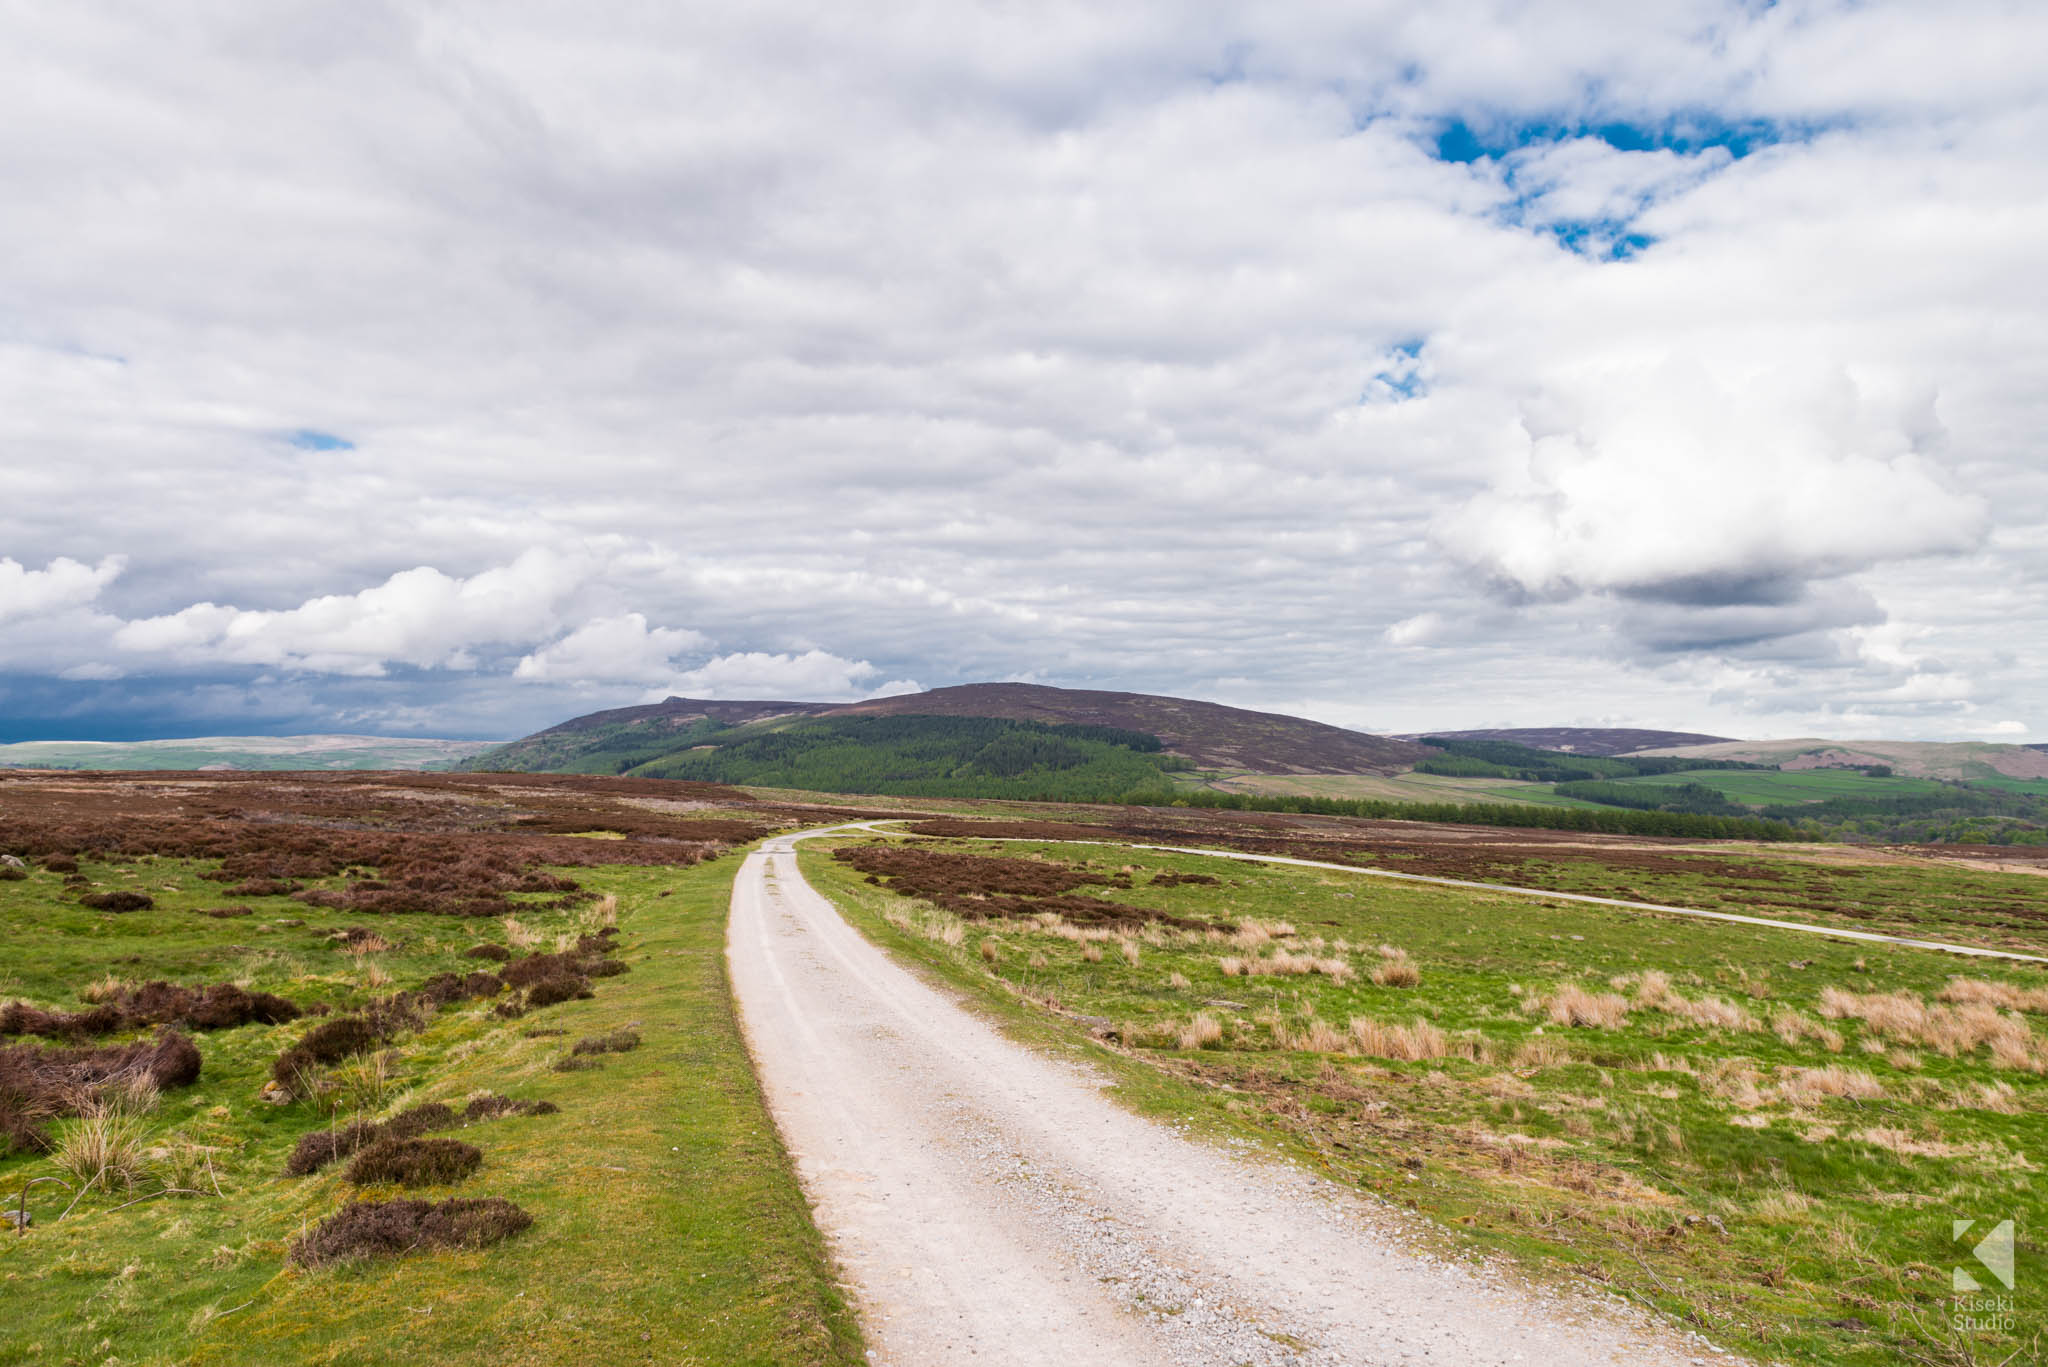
1464,141
1399,378
309,439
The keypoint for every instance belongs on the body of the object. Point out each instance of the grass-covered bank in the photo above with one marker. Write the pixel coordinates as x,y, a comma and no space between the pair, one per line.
667,1225
1763,1134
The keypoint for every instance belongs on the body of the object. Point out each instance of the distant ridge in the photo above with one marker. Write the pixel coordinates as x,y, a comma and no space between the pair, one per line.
1209,735
1584,740
681,712
242,752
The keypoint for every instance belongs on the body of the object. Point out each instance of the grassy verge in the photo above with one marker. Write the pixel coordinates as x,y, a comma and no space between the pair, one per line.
1751,1130
668,1227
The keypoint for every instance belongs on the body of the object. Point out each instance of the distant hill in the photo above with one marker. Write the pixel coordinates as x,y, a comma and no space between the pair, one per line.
1585,740
1204,734
1971,761
243,752
1208,734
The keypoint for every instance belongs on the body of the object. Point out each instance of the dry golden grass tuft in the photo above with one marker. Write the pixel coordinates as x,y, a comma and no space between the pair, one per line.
1203,1032
1283,963
1906,1144
1793,1029
1542,1051
1805,1086
1949,1030
1575,1006
1178,982
104,1146
1092,953
1130,952
1313,1035
1654,992
1406,1043
519,935
102,990
1984,1096
603,914
1395,969
1977,992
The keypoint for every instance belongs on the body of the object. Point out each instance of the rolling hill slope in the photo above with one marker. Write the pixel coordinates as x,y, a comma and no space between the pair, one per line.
1971,761
1204,734
1587,740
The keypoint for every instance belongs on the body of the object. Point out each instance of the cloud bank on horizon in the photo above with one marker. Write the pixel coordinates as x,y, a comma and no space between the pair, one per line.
443,368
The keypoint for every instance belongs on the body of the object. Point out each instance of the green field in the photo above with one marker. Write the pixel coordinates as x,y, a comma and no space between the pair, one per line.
1763,788
1408,787
668,1227
1735,1145
2032,787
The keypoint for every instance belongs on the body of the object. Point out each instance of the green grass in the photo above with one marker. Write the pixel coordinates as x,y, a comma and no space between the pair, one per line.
1763,788
1403,787
2032,787
1917,900
1674,1163
668,1225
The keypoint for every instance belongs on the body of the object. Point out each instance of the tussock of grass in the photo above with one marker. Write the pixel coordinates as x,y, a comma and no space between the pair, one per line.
614,1042
1410,1043
1950,1030
1795,1029
1395,969
1978,992
1283,963
1574,1006
1202,1032
104,1147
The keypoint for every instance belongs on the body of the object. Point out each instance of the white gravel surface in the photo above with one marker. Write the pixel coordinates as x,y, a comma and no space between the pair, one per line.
989,1204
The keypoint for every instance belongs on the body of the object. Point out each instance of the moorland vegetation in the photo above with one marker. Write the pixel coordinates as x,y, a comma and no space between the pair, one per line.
1762,1133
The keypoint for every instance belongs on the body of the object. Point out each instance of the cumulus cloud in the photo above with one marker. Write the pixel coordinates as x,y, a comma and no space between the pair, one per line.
1135,346
420,617
1679,487
62,584
813,676
620,649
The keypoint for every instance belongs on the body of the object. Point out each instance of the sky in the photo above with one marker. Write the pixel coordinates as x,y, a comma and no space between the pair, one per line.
452,369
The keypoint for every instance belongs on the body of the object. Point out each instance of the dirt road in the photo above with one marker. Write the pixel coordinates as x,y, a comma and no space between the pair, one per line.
990,1205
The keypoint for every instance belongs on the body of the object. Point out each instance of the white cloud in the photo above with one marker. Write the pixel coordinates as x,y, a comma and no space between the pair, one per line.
1677,484
610,650
813,676
418,617
1121,346
62,584
1418,630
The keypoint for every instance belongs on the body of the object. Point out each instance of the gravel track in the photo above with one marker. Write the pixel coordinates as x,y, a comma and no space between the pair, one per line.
989,1204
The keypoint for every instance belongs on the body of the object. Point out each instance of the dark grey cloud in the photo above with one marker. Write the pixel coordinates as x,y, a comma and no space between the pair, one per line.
443,367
